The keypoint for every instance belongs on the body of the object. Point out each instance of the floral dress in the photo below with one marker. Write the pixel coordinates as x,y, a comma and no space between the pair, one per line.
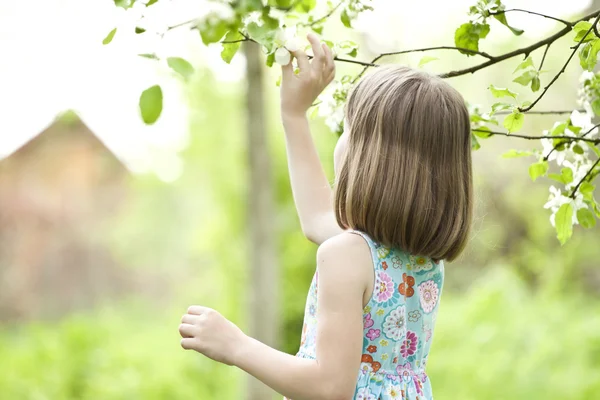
398,325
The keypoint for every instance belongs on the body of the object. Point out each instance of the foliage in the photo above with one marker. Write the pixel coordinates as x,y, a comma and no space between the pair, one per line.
275,25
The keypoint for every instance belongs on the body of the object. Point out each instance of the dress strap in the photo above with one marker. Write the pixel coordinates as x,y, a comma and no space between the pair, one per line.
372,246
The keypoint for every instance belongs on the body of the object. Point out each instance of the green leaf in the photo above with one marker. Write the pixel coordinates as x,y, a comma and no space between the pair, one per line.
581,29
181,66
526,77
597,209
567,175
346,19
564,223
502,92
262,35
306,6
151,104
270,59
586,218
596,106
586,188
482,132
535,84
538,169
559,129
245,6
467,36
139,30
150,56
109,37
212,33
517,153
426,59
514,122
474,142
230,49
501,107
502,19
525,64
577,149
556,177
148,4
588,56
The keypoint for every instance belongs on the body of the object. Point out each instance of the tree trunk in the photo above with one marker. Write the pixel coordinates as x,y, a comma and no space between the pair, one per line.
263,293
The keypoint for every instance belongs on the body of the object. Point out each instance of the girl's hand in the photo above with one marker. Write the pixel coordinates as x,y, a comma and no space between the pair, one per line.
299,91
208,332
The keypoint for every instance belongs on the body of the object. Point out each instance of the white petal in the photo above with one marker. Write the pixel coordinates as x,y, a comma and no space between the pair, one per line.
292,44
282,56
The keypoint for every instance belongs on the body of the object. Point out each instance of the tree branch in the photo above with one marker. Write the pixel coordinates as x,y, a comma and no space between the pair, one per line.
323,18
544,112
558,144
529,107
525,50
544,56
528,137
574,192
567,23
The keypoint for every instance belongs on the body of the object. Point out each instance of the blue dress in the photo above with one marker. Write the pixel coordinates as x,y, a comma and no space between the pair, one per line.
398,324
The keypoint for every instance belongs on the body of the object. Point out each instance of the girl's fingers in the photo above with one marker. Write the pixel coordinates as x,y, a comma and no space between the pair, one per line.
187,343
198,310
287,71
329,64
190,319
319,55
302,58
187,330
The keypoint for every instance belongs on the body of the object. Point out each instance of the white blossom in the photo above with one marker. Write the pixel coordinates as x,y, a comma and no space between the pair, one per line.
282,56
557,199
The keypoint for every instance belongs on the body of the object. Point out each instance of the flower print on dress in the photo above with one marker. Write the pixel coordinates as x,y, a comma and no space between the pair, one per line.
373,334
397,262
372,349
405,371
394,392
428,294
421,264
367,321
409,345
406,287
384,287
394,324
312,310
384,265
413,316
382,252
365,394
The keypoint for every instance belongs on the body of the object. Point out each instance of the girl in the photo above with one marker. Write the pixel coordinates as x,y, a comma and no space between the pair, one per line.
401,204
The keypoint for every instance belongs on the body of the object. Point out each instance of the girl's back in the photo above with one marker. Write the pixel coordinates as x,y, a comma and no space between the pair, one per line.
398,322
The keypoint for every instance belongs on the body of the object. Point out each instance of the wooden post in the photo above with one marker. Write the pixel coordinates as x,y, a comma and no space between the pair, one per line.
264,277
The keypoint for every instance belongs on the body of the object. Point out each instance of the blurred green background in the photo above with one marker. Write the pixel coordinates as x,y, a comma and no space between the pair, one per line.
96,314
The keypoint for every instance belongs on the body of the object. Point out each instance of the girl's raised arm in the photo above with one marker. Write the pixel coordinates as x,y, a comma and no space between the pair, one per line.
312,193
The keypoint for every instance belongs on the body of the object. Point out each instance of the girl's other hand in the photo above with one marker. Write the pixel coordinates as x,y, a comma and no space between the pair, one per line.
208,332
299,91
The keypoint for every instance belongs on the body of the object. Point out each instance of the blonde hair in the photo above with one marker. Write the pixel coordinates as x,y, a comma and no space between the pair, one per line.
406,178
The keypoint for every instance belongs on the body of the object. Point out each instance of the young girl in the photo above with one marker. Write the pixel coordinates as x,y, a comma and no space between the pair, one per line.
401,204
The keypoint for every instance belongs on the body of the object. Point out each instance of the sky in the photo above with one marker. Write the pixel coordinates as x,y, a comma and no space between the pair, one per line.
52,60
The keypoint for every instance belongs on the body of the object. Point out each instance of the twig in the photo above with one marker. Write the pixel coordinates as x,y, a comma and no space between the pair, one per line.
558,144
529,107
545,112
528,137
323,18
181,24
584,179
393,53
567,23
525,50
544,56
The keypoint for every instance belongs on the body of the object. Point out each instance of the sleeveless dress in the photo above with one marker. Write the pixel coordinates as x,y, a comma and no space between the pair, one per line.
398,324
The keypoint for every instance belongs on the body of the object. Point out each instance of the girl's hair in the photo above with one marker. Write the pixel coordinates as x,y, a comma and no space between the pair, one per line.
406,177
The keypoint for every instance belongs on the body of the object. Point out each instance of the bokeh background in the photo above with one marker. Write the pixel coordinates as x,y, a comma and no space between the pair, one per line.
109,229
